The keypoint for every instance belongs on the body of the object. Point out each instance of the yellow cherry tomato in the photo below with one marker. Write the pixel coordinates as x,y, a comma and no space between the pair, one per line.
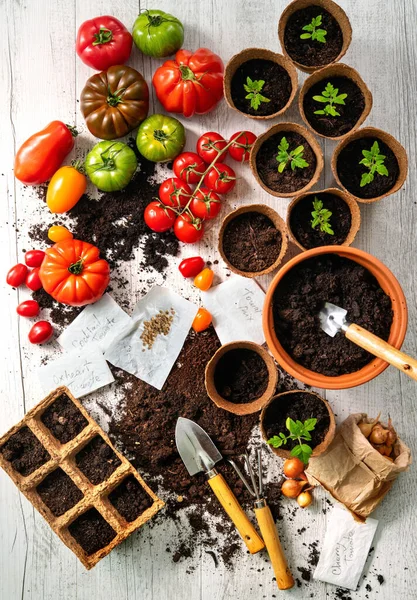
202,320
58,233
204,279
65,189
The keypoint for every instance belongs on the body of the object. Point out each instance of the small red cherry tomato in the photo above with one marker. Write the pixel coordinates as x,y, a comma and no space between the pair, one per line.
244,141
34,258
33,281
209,147
206,204
189,167
41,332
159,217
190,267
188,229
174,192
17,275
221,178
202,320
204,279
28,308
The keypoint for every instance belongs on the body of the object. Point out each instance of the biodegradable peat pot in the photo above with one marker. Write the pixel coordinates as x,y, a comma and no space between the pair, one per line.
389,285
241,408
251,62
278,223
352,113
344,210
265,166
348,172
285,399
311,55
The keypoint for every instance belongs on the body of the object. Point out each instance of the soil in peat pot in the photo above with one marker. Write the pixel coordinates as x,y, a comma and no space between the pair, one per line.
97,461
350,170
349,112
130,499
241,375
267,165
63,419
302,293
251,242
340,221
58,492
91,531
312,53
24,452
277,87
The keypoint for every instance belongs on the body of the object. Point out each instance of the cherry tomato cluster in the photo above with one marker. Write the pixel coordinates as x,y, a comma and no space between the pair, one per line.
185,210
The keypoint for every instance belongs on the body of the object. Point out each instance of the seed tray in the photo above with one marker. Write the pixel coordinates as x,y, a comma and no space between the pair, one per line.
63,456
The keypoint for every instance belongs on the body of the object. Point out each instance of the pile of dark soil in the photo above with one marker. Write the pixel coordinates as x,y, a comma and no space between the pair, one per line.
59,492
91,531
25,452
241,375
63,419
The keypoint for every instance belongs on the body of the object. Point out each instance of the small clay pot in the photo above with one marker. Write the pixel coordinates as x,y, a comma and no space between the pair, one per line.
250,407
258,53
351,202
391,142
277,221
309,137
337,13
337,70
282,452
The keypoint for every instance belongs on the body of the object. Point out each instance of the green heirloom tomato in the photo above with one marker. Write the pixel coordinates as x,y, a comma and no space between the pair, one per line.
157,33
160,138
111,165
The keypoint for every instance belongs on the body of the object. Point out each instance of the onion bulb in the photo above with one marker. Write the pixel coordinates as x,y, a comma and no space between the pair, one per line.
293,467
292,488
366,428
378,435
392,434
304,499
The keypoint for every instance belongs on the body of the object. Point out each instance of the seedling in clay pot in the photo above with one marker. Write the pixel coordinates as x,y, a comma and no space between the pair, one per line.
259,83
286,160
370,164
314,33
326,218
335,101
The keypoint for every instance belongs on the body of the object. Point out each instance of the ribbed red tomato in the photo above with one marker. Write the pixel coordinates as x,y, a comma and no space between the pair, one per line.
103,42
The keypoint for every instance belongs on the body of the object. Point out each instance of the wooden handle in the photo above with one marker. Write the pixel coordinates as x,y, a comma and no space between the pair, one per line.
373,344
269,532
230,504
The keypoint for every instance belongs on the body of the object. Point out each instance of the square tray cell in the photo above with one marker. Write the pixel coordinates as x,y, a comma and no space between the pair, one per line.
91,531
63,419
58,492
97,461
130,499
25,452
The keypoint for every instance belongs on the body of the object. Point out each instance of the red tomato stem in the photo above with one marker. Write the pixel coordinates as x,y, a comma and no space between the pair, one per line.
104,36
72,130
77,267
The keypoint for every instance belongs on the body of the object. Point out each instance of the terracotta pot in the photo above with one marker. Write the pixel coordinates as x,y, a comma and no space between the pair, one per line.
391,142
353,207
261,53
277,221
282,452
337,13
315,146
388,283
250,407
338,70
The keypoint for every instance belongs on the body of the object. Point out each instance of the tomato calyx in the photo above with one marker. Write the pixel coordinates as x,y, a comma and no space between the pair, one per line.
104,36
186,73
114,98
77,267
72,130
223,175
78,165
160,136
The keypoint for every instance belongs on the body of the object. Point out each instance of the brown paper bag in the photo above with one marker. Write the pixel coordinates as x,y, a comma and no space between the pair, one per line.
353,471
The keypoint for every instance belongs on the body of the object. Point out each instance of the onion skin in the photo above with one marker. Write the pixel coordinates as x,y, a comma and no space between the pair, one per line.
292,488
304,499
366,428
379,435
293,467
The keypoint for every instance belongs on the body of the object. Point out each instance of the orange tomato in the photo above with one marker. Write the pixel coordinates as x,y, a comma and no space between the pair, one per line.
204,279
58,233
65,189
202,320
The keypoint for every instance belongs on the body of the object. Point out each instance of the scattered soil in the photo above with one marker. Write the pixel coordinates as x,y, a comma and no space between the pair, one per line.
277,87
25,452
350,111
267,165
251,242
130,499
350,170
97,461
60,314
241,376
63,419
303,292
91,531
308,52
340,221
59,492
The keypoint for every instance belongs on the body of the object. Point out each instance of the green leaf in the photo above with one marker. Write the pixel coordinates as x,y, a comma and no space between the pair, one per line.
319,112
382,170
305,36
283,145
375,148
275,442
308,27
320,99
318,20
296,451
290,424
299,151
310,424
366,179
298,163
315,34
281,167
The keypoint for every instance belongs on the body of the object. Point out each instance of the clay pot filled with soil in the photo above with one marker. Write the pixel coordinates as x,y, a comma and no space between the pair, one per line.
349,278
298,405
325,218
241,377
259,83
286,160
314,33
335,101
370,164
253,240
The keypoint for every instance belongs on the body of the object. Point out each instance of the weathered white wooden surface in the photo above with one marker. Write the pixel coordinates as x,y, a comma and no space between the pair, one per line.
41,80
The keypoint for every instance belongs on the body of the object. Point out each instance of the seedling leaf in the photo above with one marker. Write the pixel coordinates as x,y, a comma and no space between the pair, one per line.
294,157
321,218
330,96
374,161
314,33
299,432
254,88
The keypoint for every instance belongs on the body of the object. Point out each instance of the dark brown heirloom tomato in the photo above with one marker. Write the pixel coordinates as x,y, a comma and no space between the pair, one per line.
114,102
